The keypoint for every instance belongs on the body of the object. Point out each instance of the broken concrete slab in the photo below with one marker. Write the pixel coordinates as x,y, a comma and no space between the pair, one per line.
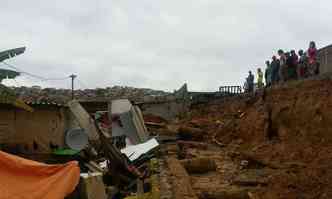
128,120
84,119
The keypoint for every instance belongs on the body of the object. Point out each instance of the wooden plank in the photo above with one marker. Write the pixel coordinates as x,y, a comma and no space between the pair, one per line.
139,124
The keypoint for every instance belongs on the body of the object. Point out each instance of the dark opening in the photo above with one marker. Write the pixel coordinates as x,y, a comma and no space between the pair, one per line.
35,146
271,131
53,146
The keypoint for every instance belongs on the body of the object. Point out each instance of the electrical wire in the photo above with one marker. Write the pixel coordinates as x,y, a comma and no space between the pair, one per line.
33,75
84,86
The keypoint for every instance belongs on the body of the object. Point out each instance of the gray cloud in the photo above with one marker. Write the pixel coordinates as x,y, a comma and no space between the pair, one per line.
157,44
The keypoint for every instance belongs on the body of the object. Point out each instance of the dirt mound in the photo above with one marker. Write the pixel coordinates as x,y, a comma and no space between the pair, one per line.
286,128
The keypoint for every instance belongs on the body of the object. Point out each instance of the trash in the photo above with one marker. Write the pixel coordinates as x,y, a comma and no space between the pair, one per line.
135,151
244,164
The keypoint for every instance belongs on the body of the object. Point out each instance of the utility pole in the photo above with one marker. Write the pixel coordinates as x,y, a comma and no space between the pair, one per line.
72,85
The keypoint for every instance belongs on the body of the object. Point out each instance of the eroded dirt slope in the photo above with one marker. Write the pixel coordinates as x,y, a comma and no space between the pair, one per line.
286,129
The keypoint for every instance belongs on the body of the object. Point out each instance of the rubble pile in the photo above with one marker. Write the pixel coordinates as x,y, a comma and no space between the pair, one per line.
276,144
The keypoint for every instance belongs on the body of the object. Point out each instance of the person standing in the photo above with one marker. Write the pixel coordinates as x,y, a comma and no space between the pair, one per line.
250,82
283,66
288,68
301,69
260,78
275,65
268,74
312,59
293,64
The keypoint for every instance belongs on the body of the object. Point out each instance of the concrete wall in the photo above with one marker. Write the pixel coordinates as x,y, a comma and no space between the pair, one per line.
25,132
325,59
168,110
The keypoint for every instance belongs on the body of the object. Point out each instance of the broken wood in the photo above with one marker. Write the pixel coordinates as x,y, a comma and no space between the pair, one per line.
190,133
192,144
181,183
271,164
199,165
158,125
228,193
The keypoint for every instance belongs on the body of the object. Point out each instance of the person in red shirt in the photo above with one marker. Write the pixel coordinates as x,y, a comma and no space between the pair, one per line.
312,52
312,58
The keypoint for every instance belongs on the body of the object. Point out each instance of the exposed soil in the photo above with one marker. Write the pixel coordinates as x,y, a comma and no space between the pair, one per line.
276,144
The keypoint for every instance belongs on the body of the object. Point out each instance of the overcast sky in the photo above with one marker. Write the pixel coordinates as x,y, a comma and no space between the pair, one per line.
157,44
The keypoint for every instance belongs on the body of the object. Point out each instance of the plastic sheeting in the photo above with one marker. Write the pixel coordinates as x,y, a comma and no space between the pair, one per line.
26,179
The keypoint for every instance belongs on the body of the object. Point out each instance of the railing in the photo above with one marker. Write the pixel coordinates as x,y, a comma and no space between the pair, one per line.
231,89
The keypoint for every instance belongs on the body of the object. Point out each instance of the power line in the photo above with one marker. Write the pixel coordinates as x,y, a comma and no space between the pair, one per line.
83,84
33,75
82,89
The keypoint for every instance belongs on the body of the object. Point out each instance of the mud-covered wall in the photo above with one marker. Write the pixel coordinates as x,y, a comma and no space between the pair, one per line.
40,131
287,128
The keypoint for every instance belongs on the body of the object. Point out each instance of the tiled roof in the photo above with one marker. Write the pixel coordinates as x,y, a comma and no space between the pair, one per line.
44,103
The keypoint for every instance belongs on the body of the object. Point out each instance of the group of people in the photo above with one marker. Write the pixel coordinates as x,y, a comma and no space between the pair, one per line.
288,66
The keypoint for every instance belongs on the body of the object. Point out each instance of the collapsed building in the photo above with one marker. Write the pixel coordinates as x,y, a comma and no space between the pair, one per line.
274,143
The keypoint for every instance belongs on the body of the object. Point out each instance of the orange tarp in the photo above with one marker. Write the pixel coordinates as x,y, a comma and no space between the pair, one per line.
26,179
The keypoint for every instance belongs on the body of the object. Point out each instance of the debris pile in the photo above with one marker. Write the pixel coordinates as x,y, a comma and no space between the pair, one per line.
275,144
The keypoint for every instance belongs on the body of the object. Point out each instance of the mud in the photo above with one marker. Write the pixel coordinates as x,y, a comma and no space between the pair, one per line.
277,143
